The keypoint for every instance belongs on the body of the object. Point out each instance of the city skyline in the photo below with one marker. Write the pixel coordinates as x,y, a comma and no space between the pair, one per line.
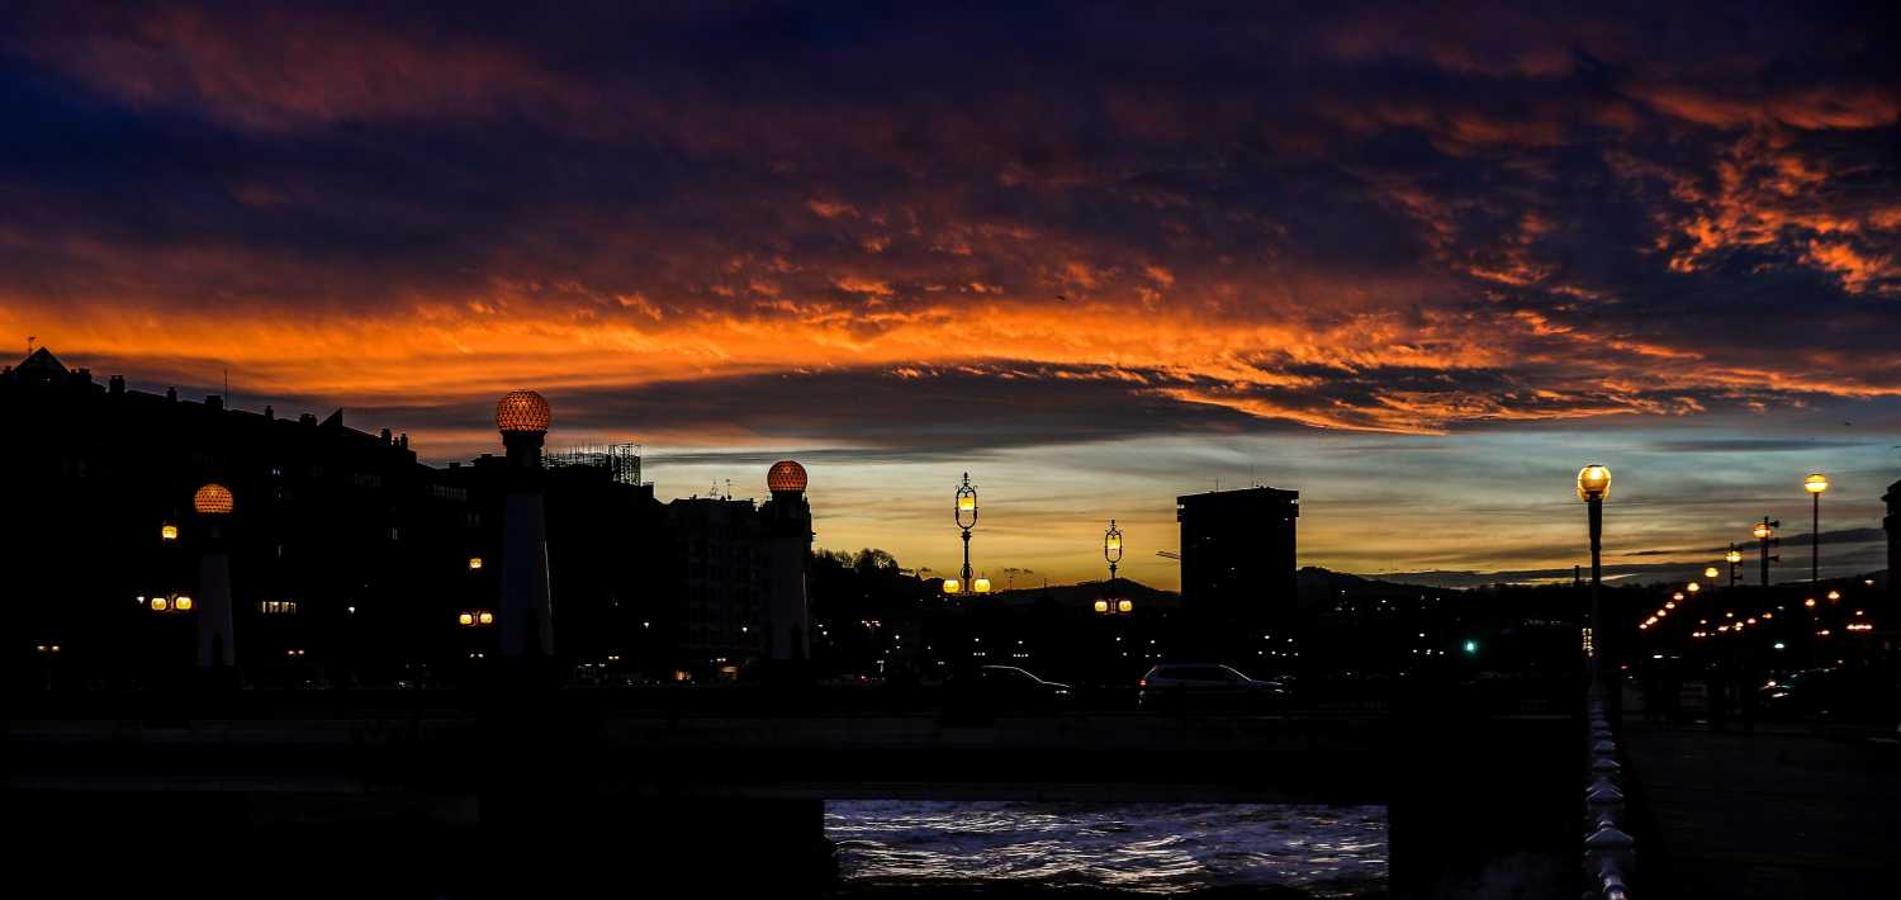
1419,266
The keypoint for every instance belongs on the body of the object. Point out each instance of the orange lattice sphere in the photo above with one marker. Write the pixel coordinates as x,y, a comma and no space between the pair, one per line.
785,475
213,500
523,411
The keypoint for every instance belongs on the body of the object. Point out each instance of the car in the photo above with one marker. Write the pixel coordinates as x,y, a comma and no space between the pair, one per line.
1003,688
1206,685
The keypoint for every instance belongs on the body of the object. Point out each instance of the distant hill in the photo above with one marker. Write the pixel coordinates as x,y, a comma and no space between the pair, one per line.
1311,581
1083,595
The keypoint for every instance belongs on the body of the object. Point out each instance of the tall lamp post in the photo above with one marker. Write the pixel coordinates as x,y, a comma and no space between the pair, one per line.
523,418
1765,534
1735,559
966,518
1112,552
1815,484
1594,484
217,645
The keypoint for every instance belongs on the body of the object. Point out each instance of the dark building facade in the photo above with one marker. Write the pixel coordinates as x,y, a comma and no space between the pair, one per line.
1237,550
1892,522
343,558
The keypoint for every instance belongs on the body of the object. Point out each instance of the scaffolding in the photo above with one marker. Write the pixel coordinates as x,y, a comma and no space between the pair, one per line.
622,461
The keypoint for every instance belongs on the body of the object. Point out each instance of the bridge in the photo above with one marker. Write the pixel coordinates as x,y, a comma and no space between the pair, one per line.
681,784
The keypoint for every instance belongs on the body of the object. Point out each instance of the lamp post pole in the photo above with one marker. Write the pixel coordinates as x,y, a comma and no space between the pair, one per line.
966,519
1815,484
1765,535
1594,484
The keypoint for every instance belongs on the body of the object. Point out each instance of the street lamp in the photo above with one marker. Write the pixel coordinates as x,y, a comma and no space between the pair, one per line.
966,518
1693,587
168,532
1711,573
1764,533
1735,559
1815,484
1112,552
1594,484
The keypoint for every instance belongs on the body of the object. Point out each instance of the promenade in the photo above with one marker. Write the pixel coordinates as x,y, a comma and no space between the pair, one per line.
1781,813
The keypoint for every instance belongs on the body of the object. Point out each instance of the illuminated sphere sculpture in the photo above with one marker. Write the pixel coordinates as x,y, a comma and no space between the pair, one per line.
786,476
213,500
523,411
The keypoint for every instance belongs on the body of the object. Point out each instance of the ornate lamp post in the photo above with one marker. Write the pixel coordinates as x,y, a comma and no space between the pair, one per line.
1112,552
1815,484
1594,484
966,518
1765,534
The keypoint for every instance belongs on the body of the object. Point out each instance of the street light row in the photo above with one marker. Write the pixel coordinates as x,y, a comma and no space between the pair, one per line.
964,506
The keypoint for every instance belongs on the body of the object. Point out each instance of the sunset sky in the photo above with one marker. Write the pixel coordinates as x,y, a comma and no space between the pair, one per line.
1417,263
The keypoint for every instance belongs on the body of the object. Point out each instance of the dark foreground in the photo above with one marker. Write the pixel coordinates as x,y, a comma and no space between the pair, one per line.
1786,811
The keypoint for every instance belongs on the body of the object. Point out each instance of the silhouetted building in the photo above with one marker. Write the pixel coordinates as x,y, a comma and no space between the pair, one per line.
1237,561
720,546
338,557
333,538
1892,522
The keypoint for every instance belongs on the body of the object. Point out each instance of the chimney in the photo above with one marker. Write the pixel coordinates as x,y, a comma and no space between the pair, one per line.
386,436
270,415
171,394
116,385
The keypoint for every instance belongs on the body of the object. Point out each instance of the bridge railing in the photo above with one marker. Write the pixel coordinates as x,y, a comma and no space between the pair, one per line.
1609,851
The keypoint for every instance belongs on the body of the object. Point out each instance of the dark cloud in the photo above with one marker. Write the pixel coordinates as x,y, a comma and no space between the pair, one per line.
1362,218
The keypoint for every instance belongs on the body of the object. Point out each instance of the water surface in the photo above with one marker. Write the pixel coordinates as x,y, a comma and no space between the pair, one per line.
1134,848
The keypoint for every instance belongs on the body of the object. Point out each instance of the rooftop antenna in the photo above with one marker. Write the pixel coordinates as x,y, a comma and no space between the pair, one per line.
227,389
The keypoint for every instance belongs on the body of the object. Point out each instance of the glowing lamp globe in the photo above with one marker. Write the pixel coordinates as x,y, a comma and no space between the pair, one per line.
1125,606
980,584
1594,482
1815,483
1760,531
168,532
786,476
1693,587
1733,556
213,500
523,411
952,585
1102,606
1710,572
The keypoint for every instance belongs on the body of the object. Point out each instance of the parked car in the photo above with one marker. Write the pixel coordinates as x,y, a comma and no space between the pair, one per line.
1206,685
